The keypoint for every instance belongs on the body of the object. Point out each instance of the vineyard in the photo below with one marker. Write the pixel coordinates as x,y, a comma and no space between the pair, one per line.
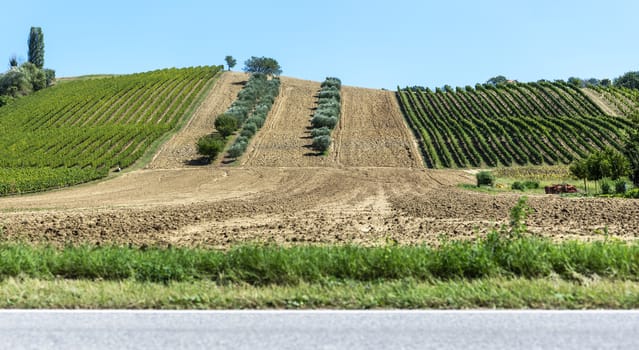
78,130
508,124
625,101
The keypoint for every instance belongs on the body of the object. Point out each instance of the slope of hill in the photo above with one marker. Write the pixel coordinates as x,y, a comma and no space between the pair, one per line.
78,130
370,133
355,198
508,124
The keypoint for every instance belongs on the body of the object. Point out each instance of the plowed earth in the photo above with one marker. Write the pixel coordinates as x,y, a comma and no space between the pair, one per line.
371,188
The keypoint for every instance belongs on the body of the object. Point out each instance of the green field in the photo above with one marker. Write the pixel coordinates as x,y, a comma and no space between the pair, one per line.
79,130
510,124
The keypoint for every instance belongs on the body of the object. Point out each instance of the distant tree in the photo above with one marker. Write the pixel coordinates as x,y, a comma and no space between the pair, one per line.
225,124
50,75
13,61
631,151
593,82
500,79
579,169
575,81
607,163
617,163
15,83
321,143
606,82
262,65
36,47
210,146
36,76
629,80
230,61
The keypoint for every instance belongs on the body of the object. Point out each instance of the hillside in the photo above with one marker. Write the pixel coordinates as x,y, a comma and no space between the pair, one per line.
79,130
512,124
369,189
371,132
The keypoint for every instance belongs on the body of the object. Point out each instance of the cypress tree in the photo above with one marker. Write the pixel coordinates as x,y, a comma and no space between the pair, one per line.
36,47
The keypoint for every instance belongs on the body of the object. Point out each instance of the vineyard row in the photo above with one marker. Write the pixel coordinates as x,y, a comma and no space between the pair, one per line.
508,124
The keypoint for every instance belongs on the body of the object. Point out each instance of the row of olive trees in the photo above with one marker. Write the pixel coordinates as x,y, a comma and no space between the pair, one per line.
248,112
23,79
327,113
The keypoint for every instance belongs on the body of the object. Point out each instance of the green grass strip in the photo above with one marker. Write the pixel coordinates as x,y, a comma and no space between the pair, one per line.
517,293
495,255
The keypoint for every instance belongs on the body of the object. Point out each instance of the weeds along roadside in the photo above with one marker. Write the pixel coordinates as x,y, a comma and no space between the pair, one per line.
505,253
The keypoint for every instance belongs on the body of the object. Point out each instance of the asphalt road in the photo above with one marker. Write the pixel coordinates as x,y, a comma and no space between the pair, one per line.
319,330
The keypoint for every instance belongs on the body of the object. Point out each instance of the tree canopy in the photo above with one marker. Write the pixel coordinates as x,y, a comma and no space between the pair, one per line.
601,164
629,80
263,65
230,61
500,79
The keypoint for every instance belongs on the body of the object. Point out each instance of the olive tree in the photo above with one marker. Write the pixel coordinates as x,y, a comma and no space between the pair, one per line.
230,61
263,65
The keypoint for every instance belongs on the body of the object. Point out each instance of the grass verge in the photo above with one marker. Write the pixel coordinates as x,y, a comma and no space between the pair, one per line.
545,293
495,255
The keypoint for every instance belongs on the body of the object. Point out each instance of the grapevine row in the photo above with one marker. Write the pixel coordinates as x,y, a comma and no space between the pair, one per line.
77,131
534,123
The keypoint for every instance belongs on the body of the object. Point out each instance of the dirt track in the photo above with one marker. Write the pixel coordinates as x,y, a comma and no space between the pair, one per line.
292,201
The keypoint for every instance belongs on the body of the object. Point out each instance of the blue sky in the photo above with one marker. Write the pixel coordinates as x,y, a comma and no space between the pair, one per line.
377,44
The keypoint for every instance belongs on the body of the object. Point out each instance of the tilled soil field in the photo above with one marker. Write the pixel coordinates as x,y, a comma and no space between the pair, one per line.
371,131
218,208
367,197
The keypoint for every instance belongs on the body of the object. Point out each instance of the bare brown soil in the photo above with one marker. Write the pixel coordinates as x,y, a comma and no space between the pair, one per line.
284,139
370,133
360,193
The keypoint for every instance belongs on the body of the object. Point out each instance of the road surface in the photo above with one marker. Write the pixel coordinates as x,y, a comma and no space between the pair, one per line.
319,330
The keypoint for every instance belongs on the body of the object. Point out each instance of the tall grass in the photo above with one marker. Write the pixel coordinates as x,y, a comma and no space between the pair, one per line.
492,256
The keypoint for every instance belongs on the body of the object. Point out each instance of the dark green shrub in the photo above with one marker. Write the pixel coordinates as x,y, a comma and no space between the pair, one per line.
248,133
485,178
320,131
249,130
531,184
321,143
256,120
332,82
210,146
606,188
633,193
225,124
320,121
620,187
518,186
329,93
237,149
